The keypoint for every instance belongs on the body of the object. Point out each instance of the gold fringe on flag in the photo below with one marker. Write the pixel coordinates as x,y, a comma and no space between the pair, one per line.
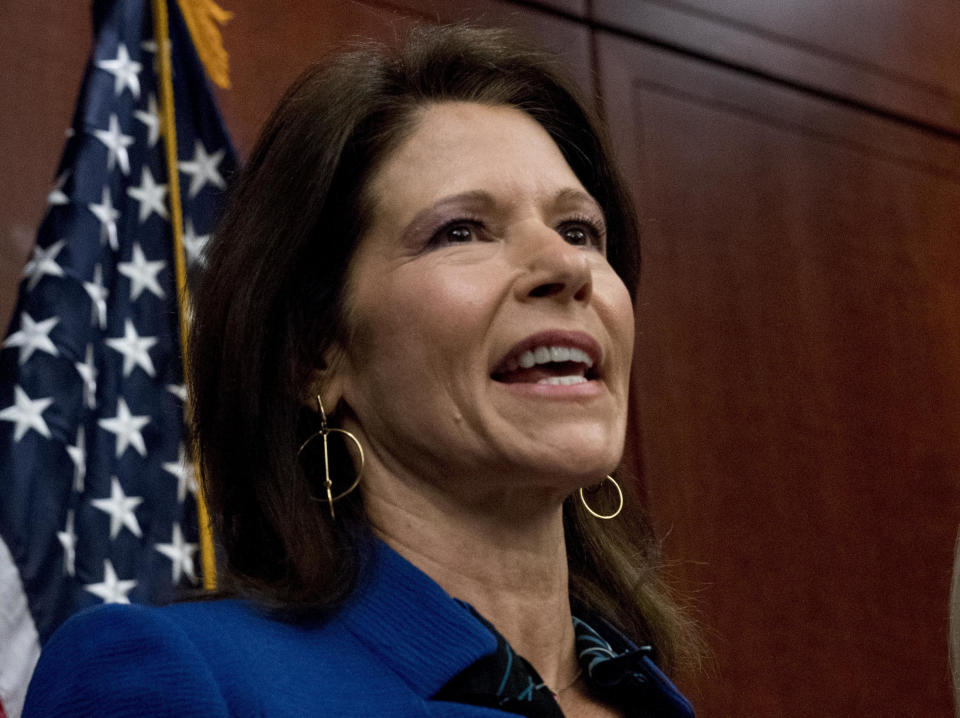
203,18
162,36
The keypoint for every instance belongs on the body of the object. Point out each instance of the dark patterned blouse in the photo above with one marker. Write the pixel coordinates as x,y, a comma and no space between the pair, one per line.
617,672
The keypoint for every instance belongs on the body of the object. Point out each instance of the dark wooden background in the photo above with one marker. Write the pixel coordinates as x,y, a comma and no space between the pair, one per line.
797,167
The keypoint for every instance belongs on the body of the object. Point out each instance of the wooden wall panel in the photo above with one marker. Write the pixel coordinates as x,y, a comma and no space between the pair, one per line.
575,8
899,56
915,41
797,383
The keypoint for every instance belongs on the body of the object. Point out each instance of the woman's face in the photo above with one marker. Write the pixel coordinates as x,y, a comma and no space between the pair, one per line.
489,339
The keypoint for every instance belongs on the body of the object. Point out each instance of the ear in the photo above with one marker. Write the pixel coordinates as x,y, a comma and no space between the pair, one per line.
326,381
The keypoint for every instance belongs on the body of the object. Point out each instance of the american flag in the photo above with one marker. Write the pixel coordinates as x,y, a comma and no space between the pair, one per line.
97,496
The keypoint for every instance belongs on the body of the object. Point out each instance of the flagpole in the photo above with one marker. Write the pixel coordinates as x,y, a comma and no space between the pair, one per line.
162,36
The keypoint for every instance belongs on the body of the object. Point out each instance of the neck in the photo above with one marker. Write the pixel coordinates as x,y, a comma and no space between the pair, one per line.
510,568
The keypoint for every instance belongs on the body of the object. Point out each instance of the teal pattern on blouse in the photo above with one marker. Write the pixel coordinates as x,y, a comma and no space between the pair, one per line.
615,669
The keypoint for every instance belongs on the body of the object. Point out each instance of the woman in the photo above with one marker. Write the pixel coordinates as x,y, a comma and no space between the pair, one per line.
423,283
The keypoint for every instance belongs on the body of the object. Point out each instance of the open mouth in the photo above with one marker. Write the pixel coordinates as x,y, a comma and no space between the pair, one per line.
554,364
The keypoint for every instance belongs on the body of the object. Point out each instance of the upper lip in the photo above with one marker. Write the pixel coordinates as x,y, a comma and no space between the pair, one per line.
552,338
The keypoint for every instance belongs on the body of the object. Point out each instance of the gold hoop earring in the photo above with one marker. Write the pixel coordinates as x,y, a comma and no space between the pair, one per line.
324,432
605,516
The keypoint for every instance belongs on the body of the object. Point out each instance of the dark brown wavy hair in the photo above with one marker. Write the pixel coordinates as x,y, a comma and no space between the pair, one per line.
271,303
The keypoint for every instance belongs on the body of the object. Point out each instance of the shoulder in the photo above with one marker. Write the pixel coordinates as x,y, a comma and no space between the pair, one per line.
213,658
122,661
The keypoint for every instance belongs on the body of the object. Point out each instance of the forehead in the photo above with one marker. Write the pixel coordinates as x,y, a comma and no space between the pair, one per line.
460,147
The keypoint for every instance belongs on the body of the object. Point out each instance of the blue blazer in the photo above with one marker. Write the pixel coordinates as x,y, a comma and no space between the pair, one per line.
394,645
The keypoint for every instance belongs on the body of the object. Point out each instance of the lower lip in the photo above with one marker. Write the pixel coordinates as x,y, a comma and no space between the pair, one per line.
586,389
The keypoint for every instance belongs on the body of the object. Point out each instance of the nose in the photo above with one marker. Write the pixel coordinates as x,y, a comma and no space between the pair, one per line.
553,268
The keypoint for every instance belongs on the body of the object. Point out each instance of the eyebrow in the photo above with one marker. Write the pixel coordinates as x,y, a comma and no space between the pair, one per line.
572,194
472,197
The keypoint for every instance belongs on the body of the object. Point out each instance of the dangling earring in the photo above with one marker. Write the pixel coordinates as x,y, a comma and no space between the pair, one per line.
324,432
605,516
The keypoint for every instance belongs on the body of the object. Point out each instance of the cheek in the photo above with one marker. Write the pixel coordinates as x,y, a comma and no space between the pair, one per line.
627,321
619,315
421,318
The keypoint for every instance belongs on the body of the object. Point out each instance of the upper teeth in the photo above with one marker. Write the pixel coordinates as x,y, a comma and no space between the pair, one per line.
545,355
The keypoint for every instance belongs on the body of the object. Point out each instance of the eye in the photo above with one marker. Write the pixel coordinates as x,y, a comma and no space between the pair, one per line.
582,233
460,231
575,235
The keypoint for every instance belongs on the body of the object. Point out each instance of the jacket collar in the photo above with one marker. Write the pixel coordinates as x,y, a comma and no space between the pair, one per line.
412,625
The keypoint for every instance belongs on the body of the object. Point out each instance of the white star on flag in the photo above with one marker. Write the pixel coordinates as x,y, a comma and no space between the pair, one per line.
142,274
182,471
150,196
98,297
56,196
126,427
120,507
202,169
44,261
78,455
124,71
135,349
26,414
116,143
178,390
194,243
88,372
151,119
68,539
151,47
108,217
180,554
110,589
33,336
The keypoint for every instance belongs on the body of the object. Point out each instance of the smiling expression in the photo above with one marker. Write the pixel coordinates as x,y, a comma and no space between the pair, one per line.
488,337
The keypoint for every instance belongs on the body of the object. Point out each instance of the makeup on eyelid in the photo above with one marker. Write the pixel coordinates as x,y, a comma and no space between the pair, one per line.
476,228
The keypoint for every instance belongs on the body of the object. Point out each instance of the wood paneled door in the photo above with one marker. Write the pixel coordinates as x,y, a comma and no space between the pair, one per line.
797,382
